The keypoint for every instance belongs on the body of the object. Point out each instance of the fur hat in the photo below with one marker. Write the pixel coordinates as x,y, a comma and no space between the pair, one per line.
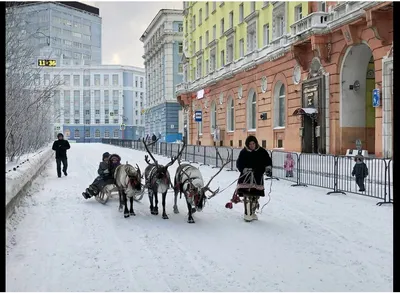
251,138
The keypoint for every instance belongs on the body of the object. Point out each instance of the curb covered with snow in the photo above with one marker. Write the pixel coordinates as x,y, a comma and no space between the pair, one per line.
18,181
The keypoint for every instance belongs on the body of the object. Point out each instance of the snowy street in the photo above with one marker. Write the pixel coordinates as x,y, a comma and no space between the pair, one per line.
304,240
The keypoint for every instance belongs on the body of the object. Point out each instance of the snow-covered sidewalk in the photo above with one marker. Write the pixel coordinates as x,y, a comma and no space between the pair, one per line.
304,240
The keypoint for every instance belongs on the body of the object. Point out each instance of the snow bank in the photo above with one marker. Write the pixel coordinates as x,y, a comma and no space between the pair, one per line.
19,180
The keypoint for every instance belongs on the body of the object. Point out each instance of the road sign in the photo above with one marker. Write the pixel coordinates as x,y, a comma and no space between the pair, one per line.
198,116
358,144
376,98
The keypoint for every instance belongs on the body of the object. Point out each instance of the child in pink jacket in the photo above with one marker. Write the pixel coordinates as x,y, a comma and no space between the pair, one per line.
289,165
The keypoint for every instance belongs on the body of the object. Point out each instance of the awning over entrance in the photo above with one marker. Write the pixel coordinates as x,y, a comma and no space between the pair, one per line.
305,111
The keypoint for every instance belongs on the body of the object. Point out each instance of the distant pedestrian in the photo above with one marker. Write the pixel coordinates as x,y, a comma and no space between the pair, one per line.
289,165
360,171
154,137
61,146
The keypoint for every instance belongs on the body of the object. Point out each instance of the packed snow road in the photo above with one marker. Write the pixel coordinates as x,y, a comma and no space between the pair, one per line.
304,240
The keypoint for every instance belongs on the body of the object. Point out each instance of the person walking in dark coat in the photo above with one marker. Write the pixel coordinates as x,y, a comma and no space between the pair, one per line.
154,137
360,171
61,146
252,163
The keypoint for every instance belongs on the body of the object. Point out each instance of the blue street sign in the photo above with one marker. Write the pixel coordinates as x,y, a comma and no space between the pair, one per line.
376,98
198,116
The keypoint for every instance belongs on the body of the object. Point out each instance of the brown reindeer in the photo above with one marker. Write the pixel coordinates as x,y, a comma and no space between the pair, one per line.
189,181
158,180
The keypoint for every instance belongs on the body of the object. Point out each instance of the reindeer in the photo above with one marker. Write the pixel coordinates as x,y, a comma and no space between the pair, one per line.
189,181
158,179
128,182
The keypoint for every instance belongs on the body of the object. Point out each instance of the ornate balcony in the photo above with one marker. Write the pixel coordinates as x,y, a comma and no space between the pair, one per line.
312,22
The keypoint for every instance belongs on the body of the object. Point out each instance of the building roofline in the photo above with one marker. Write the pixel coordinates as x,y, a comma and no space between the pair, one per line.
71,4
157,17
98,67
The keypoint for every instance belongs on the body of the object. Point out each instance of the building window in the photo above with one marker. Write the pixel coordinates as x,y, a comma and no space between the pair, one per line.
76,133
194,47
76,121
222,58
241,48
250,41
180,68
207,38
106,133
180,27
115,121
115,79
193,22
116,133
180,51
87,133
200,43
106,121
207,10
199,72
200,16
106,80
266,35
67,80
252,6
86,80
67,121
76,112
230,117
136,82
214,31
229,50
222,27
279,107
213,60
231,19
251,110
97,133
214,6
298,12
322,6
207,67
241,13
213,118
141,82
97,112
87,121
87,112
97,121
97,79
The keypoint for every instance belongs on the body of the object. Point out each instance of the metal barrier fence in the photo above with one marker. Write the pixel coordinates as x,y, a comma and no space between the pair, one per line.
326,171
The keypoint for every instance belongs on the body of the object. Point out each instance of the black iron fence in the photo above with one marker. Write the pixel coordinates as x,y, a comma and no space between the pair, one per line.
326,171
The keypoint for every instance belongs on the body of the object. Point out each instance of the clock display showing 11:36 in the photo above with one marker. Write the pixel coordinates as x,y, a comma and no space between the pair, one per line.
47,63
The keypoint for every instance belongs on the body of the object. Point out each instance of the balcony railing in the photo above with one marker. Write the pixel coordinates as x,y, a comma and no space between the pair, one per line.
316,20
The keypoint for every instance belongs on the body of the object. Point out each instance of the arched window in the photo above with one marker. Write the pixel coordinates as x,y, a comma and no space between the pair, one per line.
279,105
230,114
87,133
116,133
213,117
76,133
251,110
97,133
106,133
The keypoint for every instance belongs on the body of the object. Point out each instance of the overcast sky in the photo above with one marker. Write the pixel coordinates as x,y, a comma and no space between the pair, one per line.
123,25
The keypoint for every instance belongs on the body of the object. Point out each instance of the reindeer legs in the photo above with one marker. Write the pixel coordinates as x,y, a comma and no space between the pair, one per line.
164,214
125,202
190,218
131,211
120,201
176,210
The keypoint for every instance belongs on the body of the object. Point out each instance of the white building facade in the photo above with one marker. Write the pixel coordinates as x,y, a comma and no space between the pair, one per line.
95,102
163,52
69,31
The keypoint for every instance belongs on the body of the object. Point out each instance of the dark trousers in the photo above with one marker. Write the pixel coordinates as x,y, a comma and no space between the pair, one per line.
360,183
99,183
64,161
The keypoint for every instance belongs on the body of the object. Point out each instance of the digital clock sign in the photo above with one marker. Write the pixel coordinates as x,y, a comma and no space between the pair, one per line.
47,63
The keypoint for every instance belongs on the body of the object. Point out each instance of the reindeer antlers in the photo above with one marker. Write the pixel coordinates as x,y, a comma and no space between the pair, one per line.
228,160
147,149
173,159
